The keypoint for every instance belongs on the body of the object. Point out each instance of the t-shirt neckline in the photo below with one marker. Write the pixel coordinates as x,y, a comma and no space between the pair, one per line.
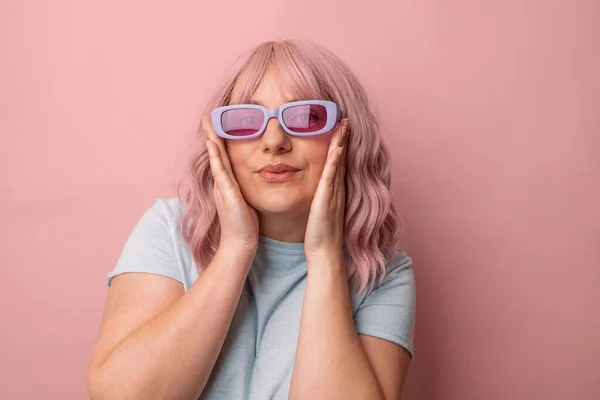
287,247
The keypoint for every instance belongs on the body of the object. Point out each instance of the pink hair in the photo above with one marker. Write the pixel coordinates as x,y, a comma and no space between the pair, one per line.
371,226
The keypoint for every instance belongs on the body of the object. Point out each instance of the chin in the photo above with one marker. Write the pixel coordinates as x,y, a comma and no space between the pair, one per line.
283,203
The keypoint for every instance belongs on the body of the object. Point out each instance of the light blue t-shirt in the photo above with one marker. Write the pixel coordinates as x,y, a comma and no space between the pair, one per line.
257,358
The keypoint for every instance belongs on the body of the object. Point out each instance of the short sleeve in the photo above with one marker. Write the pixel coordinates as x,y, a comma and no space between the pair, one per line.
150,247
388,312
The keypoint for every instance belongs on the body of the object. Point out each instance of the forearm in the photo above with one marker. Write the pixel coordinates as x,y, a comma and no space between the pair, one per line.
172,355
330,361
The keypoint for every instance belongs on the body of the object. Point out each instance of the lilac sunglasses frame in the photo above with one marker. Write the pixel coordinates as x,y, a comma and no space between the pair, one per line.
334,115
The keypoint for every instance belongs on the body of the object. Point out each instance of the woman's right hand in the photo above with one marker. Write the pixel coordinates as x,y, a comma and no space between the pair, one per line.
238,220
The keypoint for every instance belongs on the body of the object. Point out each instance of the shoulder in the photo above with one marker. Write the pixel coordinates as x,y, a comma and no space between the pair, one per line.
399,268
168,209
397,281
164,216
399,260
398,274
387,309
155,244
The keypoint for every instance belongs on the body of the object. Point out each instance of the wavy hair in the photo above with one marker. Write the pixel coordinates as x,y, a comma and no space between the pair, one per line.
310,71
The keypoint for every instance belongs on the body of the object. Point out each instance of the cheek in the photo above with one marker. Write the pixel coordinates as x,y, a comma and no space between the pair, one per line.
316,145
317,157
319,160
236,153
319,149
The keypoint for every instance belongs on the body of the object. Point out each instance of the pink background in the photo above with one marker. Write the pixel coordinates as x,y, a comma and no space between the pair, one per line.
491,111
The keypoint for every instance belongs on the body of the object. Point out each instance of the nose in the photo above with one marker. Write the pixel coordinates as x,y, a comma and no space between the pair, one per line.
274,139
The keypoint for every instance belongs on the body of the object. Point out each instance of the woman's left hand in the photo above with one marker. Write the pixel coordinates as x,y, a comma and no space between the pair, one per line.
324,237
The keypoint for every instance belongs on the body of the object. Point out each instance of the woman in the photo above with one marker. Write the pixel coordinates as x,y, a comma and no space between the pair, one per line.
277,274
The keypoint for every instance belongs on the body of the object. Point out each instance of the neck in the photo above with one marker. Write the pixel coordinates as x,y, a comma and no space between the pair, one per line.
289,227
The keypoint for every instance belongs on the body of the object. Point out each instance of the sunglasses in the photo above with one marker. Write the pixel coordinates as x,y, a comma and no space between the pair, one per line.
299,118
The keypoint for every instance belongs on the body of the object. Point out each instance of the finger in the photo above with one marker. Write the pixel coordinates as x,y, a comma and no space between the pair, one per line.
340,170
212,135
343,163
325,189
331,174
339,137
331,166
344,145
219,173
336,139
346,133
341,178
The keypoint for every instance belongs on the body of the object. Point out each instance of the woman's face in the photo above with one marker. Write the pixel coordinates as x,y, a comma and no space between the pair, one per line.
275,146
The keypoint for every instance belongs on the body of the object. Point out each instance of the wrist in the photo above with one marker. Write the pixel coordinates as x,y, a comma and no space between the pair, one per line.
236,256
327,266
324,280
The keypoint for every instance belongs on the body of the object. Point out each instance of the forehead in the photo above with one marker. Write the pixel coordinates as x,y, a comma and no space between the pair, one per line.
269,89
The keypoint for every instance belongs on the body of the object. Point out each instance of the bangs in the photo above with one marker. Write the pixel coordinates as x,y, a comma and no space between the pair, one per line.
300,78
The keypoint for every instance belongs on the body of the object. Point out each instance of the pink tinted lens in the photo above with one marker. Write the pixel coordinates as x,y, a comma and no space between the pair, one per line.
242,122
305,118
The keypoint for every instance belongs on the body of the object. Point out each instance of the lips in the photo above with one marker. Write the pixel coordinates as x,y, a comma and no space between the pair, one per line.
278,173
278,168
